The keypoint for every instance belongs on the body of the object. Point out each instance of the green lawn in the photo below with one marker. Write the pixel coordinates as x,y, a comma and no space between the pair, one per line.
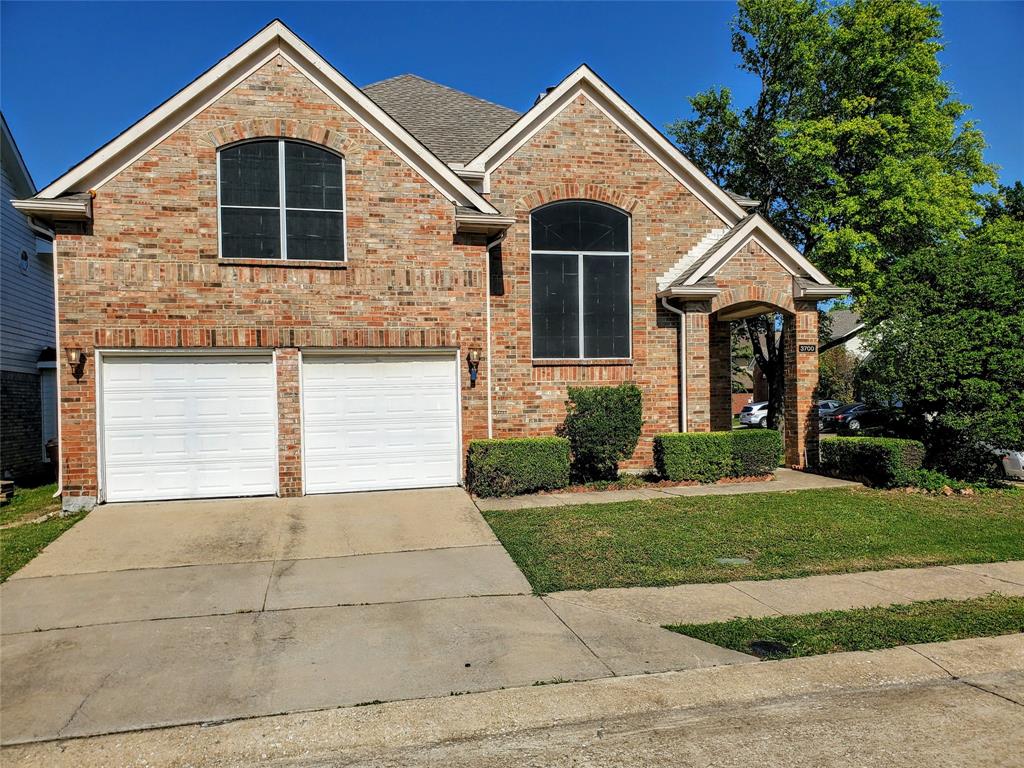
21,543
800,533
864,629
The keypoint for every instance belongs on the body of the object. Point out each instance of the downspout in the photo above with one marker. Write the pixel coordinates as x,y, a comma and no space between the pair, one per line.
682,361
487,287
57,374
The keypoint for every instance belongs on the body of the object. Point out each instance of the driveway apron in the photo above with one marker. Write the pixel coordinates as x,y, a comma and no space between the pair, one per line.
148,615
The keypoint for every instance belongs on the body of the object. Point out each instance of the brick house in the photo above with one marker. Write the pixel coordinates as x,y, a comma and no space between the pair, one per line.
277,282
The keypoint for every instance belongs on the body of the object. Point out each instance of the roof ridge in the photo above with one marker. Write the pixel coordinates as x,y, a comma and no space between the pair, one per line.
442,85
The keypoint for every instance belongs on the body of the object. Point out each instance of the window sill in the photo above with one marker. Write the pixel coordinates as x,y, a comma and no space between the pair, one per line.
279,263
583,362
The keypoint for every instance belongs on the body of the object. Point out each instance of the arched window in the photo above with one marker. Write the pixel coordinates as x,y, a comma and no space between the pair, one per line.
281,199
580,281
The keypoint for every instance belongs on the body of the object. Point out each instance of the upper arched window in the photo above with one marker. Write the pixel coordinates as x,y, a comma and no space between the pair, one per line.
580,280
281,199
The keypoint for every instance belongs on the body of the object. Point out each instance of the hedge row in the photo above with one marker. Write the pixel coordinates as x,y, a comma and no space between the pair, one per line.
883,462
710,456
517,465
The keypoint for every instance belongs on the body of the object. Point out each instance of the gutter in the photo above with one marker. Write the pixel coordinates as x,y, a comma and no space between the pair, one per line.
682,361
60,209
487,287
482,223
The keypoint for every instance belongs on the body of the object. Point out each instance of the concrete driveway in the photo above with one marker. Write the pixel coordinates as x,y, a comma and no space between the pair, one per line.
147,615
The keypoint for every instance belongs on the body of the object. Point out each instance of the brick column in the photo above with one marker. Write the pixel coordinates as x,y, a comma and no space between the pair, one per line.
289,422
698,371
720,359
801,373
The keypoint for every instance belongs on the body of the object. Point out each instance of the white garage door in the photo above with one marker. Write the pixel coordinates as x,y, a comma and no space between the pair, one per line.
188,427
379,422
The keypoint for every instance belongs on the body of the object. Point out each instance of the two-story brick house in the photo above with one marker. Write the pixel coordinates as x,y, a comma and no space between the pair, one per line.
277,282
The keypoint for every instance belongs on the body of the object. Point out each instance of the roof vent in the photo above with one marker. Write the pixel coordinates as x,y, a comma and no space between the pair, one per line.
543,93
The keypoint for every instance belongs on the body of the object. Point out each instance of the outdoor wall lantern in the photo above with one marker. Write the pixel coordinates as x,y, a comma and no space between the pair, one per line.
76,360
473,359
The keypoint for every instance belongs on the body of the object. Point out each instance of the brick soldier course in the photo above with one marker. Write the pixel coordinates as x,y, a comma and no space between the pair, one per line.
142,270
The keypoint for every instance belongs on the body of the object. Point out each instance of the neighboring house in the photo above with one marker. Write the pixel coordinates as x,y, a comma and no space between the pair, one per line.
277,282
28,401
845,331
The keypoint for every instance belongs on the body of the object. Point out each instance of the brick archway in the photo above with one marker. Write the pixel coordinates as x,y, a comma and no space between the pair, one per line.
753,295
260,128
573,191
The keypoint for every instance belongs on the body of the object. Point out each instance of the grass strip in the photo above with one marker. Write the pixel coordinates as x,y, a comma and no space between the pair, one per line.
20,544
864,629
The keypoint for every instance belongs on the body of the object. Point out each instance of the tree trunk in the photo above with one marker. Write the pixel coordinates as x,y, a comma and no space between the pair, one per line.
769,352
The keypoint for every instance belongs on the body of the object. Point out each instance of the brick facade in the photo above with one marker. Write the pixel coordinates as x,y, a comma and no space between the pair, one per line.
147,274
581,154
22,425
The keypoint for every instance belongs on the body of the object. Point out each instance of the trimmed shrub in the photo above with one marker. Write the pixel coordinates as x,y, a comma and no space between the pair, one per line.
701,456
517,465
756,451
602,425
883,462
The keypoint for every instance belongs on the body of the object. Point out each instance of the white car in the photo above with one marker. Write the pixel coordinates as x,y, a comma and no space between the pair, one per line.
1013,463
755,415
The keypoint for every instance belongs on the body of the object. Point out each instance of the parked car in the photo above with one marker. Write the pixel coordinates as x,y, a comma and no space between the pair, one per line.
826,407
755,415
842,417
1012,462
883,421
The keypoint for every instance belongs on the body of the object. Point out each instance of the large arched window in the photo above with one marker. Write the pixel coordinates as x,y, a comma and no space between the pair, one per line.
281,199
580,281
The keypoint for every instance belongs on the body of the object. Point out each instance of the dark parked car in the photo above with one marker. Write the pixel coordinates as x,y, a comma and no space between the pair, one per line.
874,420
825,407
841,419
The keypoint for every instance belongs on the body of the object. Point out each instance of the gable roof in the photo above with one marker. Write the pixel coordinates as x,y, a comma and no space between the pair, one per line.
273,40
699,271
453,125
584,81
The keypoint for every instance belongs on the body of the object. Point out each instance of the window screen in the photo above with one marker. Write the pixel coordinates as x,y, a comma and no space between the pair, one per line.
581,295
556,311
259,179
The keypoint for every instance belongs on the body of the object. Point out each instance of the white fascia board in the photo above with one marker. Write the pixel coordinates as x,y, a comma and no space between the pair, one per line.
64,209
275,39
584,80
773,243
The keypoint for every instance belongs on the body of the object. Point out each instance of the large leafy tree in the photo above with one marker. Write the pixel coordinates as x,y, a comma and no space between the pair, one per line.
855,146
949,342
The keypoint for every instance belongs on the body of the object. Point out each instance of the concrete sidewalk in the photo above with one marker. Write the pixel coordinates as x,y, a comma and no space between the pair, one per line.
703,603
785,480
942,704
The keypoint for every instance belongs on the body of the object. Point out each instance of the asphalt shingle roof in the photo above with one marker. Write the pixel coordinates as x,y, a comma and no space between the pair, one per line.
453,125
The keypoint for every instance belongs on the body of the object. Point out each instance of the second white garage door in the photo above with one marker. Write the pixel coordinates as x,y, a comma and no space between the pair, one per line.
379,422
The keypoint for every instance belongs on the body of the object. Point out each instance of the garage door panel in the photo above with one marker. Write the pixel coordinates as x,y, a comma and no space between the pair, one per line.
188,427
372,423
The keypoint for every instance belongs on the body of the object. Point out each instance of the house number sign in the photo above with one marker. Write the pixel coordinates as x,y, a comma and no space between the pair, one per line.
808,347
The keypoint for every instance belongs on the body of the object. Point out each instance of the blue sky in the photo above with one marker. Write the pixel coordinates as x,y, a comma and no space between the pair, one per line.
73,75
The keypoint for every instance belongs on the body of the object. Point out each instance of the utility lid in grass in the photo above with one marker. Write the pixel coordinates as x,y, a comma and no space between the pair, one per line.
768,648
732,560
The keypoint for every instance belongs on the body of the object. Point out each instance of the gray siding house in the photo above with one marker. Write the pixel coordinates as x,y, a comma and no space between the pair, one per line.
28,400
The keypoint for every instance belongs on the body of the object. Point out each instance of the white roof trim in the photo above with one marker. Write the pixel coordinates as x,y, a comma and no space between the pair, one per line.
272,40
691,257
22,168
584,80
773,243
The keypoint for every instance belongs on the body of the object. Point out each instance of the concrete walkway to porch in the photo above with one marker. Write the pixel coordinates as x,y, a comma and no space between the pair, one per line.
785,480
705,603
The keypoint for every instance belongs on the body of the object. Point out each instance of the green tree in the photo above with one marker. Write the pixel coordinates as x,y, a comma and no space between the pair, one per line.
1008,201
855,146
949,343
837,374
